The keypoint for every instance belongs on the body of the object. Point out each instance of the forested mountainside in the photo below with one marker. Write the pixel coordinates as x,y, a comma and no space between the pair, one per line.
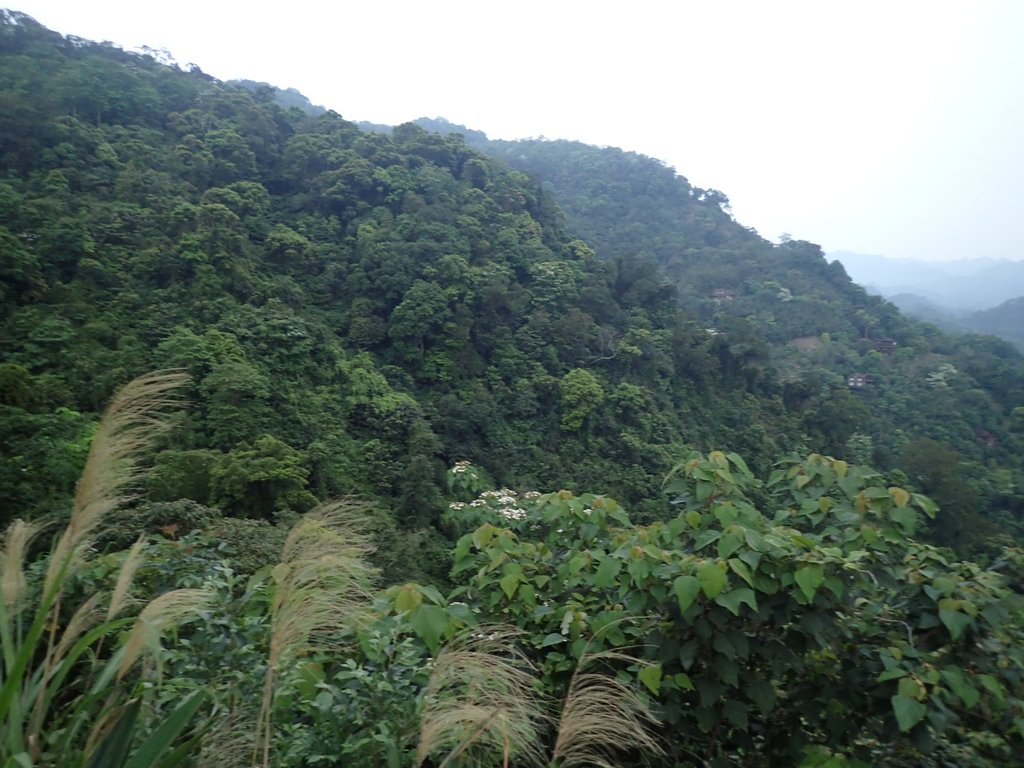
386,356
357,311
864,382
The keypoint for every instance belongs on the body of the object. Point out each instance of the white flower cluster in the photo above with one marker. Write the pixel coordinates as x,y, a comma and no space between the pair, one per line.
512,513
503,501
461,467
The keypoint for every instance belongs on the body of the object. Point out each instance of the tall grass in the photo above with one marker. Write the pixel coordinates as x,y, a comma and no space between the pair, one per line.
320,586
603,716
483,708
61,698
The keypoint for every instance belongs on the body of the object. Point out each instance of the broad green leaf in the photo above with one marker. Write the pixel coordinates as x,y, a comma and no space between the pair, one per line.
683,681
909,712
509,583
408,597
911,688
955,622
686,589
967,693
463,546
809,578
651,677
728,672
553,639
429,622
738,462
762,694
835,585
729,543
709,688
693,518
736,713
905,518
891,674
993,686
607,572
732,600
874,492
712,578
742,570
925,504
639,569
527,594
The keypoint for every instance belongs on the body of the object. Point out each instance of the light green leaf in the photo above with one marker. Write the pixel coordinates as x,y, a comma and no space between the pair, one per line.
607,572
553,639
967,693
742,570
686,589
911,688
955,622
891,674
712,578
732,600
683,681
809,578
651,677
909,712
429,622
509,583
408,597
729,543
905,518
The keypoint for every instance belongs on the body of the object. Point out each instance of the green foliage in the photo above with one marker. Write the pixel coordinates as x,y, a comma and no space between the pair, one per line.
773,631
359,311
62,698
262,480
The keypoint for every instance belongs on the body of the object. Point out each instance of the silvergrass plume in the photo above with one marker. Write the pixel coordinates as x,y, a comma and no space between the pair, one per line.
163,612
481,702
125,577
322,584
17,537
127,428
84,618
230,743
603,716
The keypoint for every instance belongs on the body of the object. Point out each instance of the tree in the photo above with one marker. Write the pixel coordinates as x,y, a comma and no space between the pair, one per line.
582,394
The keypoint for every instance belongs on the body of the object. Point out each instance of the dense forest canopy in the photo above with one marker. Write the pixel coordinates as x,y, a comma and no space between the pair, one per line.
477,346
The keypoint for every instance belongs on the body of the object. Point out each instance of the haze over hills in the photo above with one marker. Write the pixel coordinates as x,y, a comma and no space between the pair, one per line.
964,284
964,296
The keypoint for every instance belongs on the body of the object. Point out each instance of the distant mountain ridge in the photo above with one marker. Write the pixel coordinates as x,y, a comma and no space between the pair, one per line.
964,284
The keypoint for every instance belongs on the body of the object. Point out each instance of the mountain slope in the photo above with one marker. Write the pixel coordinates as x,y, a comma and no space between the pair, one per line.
359,311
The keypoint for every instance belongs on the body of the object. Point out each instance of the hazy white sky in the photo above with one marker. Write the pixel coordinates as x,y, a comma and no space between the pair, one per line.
875,126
